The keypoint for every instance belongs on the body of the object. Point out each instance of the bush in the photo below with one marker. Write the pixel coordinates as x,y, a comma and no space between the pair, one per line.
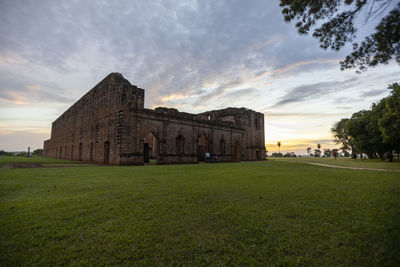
277,154
4,153
38,152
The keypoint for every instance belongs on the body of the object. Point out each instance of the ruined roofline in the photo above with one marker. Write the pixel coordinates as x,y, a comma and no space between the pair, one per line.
108,78
116,77
230,110
175,114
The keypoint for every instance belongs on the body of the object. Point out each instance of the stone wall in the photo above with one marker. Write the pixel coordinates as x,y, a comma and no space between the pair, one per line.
87,127
110,125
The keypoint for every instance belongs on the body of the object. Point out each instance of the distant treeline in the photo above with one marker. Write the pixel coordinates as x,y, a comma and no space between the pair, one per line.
36,152
375,132
288,154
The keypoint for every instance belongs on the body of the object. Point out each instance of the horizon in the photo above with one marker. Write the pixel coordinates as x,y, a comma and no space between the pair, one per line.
193,56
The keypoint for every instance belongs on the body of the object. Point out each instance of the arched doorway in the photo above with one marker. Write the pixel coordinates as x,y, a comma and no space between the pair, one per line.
106,152
222,146
150,149
80,151
202,147
237,152
91,151
180,145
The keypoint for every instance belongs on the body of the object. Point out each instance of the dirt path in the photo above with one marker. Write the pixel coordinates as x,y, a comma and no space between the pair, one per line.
352,168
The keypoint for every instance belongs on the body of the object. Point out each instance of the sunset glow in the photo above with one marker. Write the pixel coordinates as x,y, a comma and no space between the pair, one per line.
193,56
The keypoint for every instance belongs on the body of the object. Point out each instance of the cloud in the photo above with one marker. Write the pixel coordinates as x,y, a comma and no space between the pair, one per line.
33,94
300,66
24,90
313,91
216,92
166,47
346,99
344,107
302,115
193,54
242,93
373,93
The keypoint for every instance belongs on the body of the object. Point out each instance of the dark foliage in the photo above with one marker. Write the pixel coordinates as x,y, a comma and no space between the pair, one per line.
333,24
4,153
373,131
38,152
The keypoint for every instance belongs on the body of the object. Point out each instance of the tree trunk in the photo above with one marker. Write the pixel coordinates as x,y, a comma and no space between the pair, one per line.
353,153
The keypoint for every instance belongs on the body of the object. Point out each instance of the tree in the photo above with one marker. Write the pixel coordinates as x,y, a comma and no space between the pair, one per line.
308,151
317,153
4,153
363,127
38,152
290,154
341,135
319,146
333,24
345,153
327,153
389,123
375,131
279,145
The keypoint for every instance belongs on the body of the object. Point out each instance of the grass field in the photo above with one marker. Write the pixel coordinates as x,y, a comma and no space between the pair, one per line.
345,162
255,213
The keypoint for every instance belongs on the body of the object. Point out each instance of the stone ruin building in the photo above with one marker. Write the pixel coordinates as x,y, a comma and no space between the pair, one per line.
110,125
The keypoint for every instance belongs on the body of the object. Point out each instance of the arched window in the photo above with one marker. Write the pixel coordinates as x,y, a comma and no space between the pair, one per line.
237,151
80,151
180,145
222,148
106,152
91,151
257,123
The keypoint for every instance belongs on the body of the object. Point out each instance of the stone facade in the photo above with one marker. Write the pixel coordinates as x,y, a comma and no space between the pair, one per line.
110,125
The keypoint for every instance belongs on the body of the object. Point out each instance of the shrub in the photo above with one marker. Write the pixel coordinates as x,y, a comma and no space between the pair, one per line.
38,152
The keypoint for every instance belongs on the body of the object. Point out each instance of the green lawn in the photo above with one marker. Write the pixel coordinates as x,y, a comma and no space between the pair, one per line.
7,162
254,213
346,162
35,159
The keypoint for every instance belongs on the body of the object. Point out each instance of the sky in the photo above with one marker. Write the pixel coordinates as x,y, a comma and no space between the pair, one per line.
190,55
